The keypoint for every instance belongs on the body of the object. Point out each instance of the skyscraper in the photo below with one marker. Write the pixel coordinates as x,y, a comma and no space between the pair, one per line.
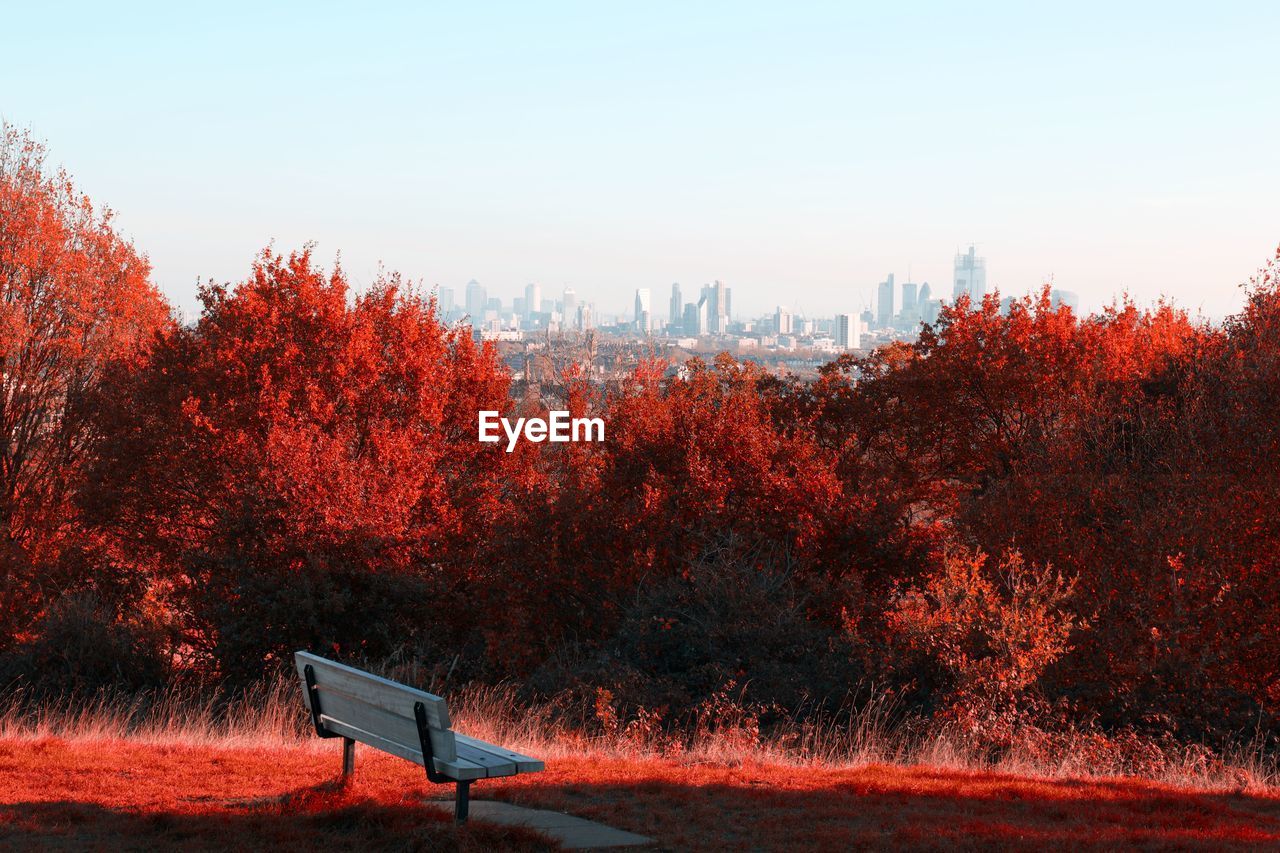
718,308
971,276
569,308
848,331
884,303
643,316
444,301
909,316
532,300
695,317
676,307
909,289
477,299
782,321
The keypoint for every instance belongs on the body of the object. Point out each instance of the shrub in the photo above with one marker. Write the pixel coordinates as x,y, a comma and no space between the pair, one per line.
83,646
732,629
993,629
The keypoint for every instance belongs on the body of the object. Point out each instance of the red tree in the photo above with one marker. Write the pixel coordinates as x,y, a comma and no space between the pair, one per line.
301,469
76,297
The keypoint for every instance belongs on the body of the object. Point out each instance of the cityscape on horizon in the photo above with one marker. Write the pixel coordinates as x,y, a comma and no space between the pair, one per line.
708,318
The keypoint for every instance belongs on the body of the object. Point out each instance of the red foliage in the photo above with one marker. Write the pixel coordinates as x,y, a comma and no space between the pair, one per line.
300,469
75,297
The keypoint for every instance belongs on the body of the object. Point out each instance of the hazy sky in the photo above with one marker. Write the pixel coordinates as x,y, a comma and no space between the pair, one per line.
798,151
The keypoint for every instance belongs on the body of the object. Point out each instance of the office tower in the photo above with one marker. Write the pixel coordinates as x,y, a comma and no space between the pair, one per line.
884,303
908,296
925,295
695,317
569,308
518,308
971,276
477,299
676,307
909,316
532,300
718,309
585,320
444,301
848,329
782,321
643,316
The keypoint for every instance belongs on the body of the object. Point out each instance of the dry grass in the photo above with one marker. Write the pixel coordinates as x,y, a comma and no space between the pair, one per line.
122,794
271,716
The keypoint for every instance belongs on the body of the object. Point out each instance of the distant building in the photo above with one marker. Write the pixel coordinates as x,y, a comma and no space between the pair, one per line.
569,308
909,290
884,303
643,315
970,277
782,324
676,312
930,310
477,300
444,301
718,308
695,317
532,301
909,317
848,330
1068,298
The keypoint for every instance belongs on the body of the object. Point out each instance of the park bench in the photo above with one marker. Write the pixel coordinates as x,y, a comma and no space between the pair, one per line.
412,724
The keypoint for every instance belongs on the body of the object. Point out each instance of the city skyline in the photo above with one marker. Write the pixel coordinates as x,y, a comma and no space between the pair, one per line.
894,304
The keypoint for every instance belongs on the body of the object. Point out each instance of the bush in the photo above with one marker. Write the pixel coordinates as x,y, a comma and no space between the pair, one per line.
994,630
732,629
84,646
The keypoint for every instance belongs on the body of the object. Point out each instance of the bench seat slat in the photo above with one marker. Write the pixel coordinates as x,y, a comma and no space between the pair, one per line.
493,765
523,763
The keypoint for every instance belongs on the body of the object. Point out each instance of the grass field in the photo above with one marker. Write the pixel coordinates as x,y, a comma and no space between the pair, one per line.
175,773
118,794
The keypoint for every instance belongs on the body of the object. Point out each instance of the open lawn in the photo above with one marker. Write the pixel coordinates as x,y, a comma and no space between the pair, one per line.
121,794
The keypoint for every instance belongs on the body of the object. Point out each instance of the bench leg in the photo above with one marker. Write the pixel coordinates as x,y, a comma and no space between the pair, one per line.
348,758
462,802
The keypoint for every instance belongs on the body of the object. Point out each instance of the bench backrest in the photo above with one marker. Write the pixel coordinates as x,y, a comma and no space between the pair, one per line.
376,711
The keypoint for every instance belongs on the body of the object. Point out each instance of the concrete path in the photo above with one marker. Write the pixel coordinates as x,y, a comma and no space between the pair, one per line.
573,833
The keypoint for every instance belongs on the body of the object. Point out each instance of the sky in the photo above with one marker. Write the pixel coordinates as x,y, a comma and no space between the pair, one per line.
797,151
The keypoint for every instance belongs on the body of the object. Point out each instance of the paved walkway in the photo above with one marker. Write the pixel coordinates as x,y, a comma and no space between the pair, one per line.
573,833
